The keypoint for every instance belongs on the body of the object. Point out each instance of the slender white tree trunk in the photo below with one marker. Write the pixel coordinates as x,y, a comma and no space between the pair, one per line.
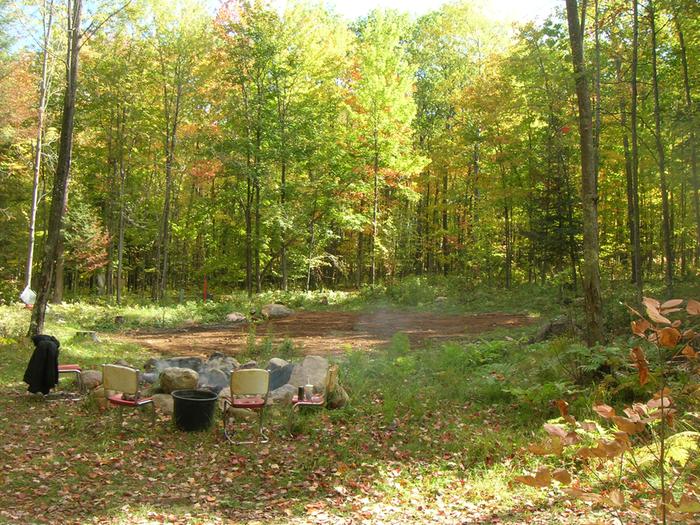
43,100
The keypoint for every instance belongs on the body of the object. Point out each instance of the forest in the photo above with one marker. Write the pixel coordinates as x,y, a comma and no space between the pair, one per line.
486,235
262,149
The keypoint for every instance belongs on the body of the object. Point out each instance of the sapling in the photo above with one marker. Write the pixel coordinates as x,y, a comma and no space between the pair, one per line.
643,450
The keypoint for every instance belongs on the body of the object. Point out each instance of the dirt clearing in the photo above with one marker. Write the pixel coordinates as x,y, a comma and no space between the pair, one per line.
325,332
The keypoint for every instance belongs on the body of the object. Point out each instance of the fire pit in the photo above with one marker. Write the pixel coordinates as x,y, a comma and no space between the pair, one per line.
193,410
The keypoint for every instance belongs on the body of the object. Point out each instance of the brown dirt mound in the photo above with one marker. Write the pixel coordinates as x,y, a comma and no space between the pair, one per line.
326,332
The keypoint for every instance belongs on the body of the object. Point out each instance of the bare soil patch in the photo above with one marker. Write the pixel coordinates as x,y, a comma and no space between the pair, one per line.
326,332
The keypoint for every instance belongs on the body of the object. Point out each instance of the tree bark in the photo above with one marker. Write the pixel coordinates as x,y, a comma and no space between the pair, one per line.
171,123
632,211
375,210
695,180
62,176
589,195
637,249
41,112
59,274
661,158
121,225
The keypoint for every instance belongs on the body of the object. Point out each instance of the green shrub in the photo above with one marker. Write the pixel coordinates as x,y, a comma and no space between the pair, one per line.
411,291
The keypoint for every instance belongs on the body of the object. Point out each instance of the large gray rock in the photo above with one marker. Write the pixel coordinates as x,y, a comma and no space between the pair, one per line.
280,376
148,377
191,362
236,318
164,403
175,378
92,379
276,362
313,370
222,362
213,378
275,311
282,395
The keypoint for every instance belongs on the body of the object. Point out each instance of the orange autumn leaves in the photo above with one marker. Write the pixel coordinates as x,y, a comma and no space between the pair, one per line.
667,337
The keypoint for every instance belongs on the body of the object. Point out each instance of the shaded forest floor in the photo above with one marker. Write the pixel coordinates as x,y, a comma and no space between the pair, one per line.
325,332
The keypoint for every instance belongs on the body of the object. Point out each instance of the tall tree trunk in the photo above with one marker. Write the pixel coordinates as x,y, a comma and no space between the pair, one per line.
282,122
62,177
695,179
596,134
59,274
375,210
120,227
249,231
661,158
589,195
359,274
312,240
170,147
445,241
632,213
637,248
41,112
283,236
507,211
258,282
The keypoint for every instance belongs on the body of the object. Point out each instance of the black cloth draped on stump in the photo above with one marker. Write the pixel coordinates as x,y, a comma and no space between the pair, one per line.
42,371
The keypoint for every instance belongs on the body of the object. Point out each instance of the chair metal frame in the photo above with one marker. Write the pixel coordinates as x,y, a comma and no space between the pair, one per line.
125,380
249,390
73,369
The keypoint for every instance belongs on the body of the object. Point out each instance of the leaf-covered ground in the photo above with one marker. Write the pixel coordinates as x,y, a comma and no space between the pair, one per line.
433,434
66,462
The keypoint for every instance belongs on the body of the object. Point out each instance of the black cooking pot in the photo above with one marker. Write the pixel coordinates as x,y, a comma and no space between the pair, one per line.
193,409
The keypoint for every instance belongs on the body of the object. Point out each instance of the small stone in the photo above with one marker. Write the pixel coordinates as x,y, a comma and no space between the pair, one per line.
98,394
337,398
236,318
249,365
91,378
164,403
276,311
87,334
122,362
